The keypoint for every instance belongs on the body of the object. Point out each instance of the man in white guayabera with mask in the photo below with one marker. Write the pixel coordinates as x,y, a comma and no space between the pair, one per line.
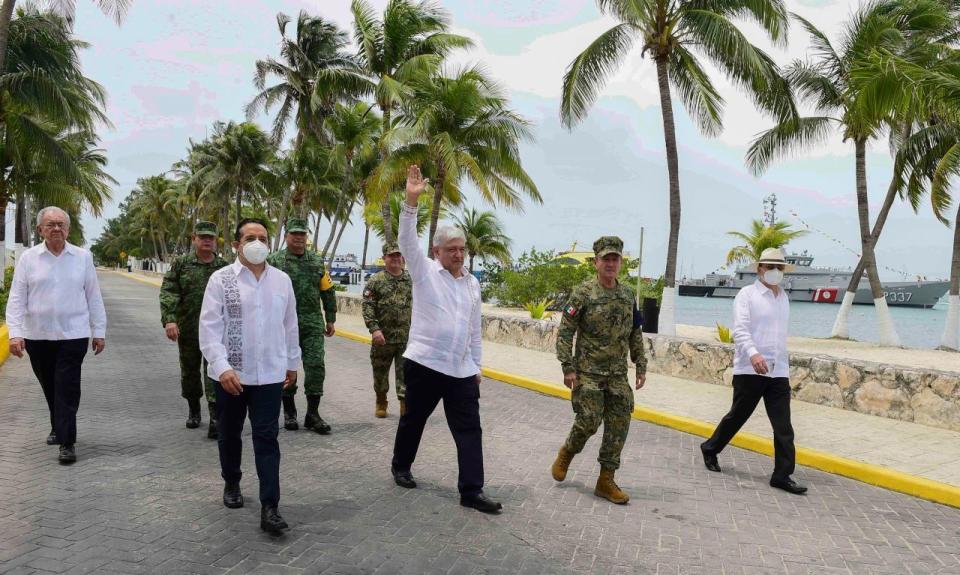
761,369
249,337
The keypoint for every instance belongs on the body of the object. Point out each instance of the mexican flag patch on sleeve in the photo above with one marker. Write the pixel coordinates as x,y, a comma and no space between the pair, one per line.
570,311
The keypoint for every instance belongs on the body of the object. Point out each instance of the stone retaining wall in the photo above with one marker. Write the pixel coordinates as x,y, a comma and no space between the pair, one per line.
924,396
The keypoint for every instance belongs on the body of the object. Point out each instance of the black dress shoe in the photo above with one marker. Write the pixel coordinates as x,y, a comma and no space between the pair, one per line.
271,522
481,503
52,438
232,498
403,479
67,454
788,485
710,461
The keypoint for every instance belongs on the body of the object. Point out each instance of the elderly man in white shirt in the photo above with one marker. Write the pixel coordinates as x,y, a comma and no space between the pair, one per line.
761,369
443,352
249,337
54,308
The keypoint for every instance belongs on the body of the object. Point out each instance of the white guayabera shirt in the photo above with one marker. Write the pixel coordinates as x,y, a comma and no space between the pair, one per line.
760,322
56,297
445,327
250,326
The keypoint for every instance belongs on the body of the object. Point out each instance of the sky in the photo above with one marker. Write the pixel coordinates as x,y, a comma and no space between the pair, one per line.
175,67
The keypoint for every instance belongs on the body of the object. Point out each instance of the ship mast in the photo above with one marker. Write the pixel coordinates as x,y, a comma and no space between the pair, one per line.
770,210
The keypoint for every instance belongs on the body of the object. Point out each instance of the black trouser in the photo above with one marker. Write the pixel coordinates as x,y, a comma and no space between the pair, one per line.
263,404
56,363
461,405
747,392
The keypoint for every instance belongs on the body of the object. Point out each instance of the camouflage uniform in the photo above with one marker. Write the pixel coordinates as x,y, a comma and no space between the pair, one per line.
181,296
311,285
387,307
606,323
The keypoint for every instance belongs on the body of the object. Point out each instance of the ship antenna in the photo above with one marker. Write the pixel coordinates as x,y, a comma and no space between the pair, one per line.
770,210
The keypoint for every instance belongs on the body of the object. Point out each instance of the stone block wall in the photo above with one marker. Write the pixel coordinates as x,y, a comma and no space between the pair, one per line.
925,396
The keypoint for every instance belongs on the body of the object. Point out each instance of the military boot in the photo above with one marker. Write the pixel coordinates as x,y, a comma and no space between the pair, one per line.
290,414
212,427
608,489
403,407
193,417
562,463
313,421
381,411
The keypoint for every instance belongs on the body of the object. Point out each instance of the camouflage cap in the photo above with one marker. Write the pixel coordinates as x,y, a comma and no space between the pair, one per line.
390,248
608,245
205,229
297,225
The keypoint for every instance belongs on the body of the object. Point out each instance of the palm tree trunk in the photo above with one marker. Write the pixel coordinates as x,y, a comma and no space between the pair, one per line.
282,220
343,226
316,232
435,210
239,216
471,264
389,235
4,202
225,218
366,242
334,222
666,320
888,334
6,14
951,331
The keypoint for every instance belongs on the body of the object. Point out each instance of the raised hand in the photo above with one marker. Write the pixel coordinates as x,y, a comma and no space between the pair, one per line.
416,184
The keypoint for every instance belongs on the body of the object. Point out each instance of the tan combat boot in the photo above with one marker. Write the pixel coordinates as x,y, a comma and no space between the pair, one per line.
403,407
608,489
560,466
381,405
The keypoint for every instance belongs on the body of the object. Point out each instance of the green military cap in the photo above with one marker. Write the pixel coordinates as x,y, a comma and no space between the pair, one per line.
390,248
205,229
608,245
297,225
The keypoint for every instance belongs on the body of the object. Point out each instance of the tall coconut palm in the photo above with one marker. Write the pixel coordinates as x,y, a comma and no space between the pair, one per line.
678,36
461,127
152,210
373,217
406,44
65,8
826,83
760,237
314,73
485,236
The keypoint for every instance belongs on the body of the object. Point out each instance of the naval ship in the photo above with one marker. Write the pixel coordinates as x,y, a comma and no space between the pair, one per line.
819,285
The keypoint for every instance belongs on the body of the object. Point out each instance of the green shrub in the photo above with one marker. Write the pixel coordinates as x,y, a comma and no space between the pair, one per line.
538,310
652,289
536,277
5,292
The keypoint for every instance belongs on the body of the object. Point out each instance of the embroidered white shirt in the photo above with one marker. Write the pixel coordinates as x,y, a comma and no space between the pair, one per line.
445,327
760,322
56,297
250,326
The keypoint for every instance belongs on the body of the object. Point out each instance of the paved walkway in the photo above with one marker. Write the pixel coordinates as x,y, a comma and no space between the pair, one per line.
144,496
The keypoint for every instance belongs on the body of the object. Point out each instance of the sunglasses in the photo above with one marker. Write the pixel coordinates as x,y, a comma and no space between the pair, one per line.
772,267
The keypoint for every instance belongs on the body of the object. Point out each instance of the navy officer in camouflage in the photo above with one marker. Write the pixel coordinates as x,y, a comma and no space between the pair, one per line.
604,317
387,310
312,286
181,296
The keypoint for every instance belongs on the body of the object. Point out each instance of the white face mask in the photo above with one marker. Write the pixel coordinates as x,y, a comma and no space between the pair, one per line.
772,277
256,252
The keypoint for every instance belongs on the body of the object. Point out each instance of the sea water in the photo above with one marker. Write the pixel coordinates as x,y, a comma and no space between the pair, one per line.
920,328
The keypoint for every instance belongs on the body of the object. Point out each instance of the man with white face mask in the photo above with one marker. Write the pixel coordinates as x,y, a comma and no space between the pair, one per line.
250,339
761,369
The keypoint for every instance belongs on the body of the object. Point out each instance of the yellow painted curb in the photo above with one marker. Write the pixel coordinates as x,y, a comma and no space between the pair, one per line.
865,472
4,343
137,278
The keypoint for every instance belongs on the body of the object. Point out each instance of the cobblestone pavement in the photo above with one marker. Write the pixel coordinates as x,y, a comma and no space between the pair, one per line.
144,496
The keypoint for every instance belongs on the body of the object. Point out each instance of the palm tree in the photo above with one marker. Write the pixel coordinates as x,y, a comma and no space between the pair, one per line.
314,74
461,128
760,237
485,236
407,44
115,8
151,209
827,84
675,35
235,165
373,217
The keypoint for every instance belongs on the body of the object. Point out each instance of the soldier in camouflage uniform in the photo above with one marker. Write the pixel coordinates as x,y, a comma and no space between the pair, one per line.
181,296
311,285
604,317
387,307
